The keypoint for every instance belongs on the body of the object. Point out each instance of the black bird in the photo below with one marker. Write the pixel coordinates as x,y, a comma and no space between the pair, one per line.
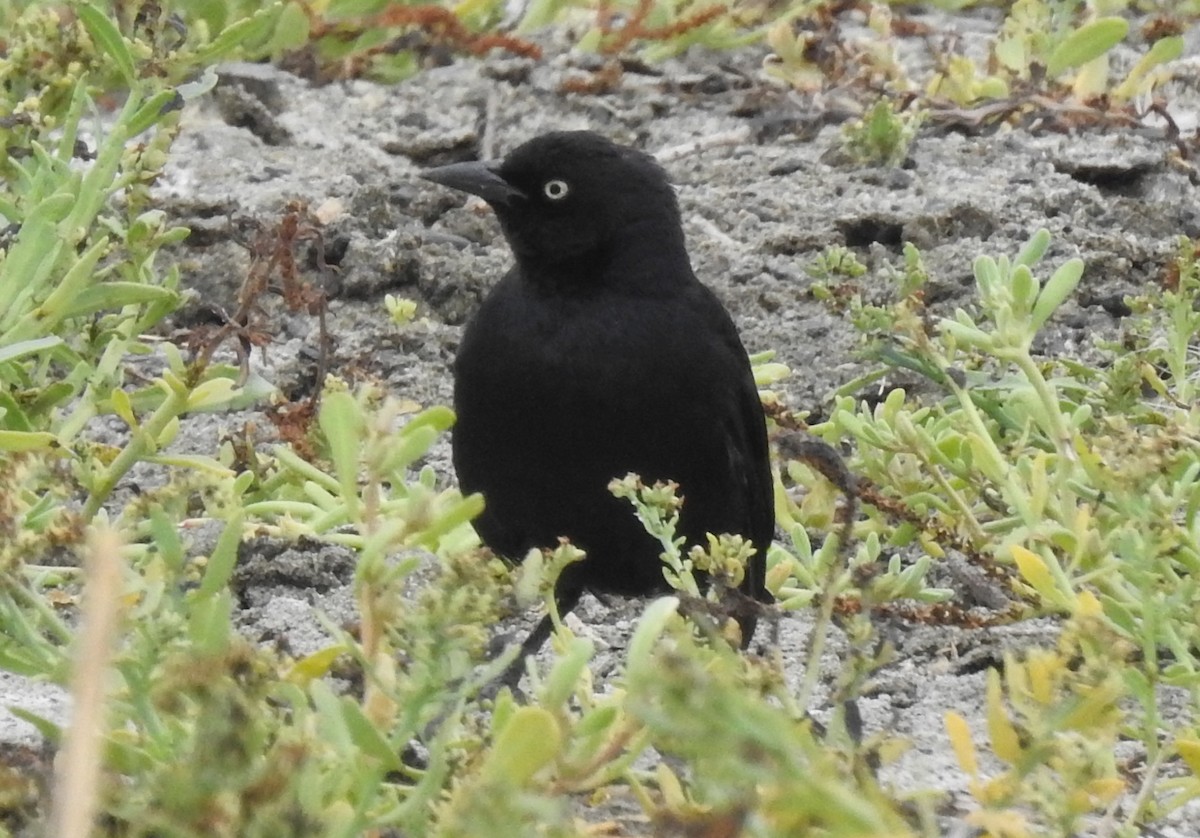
600,353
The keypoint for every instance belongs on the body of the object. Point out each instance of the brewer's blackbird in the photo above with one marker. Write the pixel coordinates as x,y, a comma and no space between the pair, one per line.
598,354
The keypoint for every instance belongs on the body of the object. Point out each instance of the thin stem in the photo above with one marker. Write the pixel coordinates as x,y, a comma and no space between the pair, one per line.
142,444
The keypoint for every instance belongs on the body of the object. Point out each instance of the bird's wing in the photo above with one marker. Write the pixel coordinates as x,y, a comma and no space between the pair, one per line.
751,446
748,449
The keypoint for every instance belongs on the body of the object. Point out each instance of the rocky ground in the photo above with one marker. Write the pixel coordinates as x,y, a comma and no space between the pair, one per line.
764,188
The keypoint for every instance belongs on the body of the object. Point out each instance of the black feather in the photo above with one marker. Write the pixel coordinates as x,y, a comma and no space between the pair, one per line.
598,354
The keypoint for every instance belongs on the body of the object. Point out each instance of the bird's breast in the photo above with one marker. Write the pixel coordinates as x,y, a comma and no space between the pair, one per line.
596,348
587,362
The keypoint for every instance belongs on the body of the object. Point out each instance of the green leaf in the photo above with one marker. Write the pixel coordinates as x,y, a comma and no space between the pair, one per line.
12,416
50,730
316,665
1060,286
1006,743
1086,43
456,515
197,462
154,109
216,392
331,721
597,721
18,441
32,257
1164,50
366,736
538,14
165,533
439,417
104,32
1035,570
248,29
124,409
1024,289
412,443
168,433
1034,249
49,314
965,334
529,741
988,276
223,559
210,623
650,628
1011,54
28,347
342,423
564,677
291,31
51,395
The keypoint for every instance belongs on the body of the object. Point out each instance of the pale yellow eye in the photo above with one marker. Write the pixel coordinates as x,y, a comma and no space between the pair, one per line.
556,190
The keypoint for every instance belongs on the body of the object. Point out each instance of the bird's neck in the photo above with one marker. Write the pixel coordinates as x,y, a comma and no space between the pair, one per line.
635,263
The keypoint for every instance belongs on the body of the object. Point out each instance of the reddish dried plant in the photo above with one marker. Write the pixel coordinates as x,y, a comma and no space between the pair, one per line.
440,25
446,27
617,32
273,267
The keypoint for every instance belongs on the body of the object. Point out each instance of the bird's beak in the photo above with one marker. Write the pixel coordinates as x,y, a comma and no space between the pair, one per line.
477,178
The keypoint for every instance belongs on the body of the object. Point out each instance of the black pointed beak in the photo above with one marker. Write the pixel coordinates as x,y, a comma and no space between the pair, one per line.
477,178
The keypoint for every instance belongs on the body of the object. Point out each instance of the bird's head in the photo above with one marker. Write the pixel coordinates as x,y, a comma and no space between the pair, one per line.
573,197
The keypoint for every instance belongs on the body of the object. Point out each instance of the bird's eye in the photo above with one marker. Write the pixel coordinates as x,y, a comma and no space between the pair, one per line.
556,190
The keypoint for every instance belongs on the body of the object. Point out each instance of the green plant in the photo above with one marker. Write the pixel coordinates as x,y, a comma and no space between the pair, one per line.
80,275
1069,478
1073,484
1053,720
883,136
836,262
209,734
1045,52
1052,43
